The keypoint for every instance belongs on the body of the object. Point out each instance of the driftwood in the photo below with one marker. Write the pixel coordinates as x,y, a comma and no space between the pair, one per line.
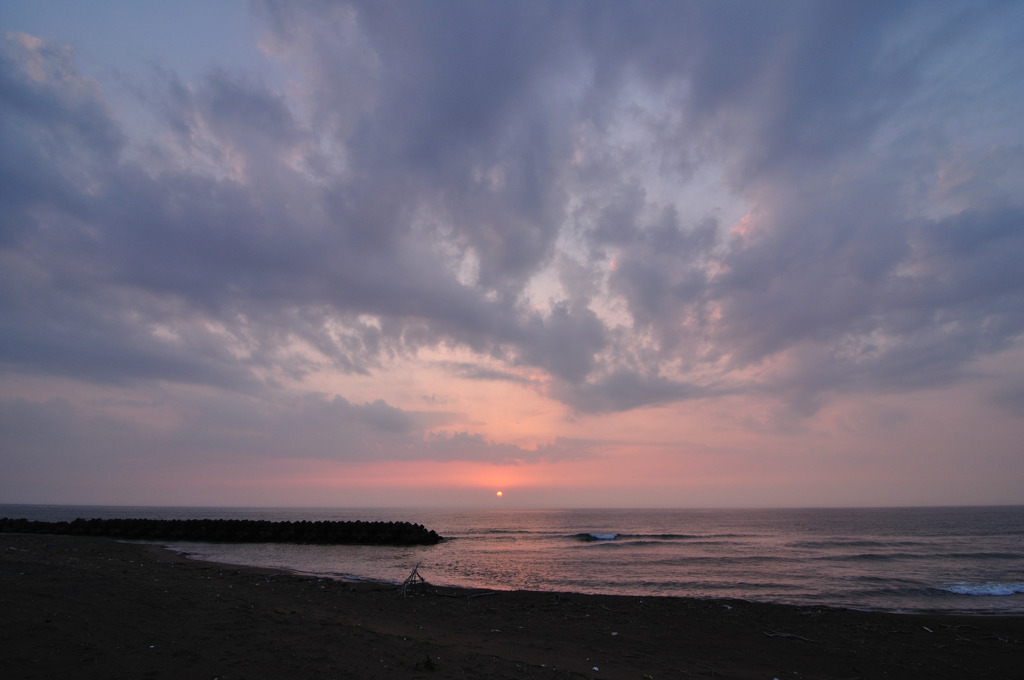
462,596
787,635
413,580
470,597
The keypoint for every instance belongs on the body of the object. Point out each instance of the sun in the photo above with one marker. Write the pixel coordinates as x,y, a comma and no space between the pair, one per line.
499,494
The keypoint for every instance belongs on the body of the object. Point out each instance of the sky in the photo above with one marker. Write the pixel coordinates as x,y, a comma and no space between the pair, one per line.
589,254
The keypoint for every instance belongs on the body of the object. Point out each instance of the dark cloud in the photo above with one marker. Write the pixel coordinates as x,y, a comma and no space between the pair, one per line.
564,342
473,371
55,132
466,446
624,391
527,181
56,433
1011,398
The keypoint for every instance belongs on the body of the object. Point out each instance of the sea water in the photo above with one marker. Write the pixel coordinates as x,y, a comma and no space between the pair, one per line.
964,560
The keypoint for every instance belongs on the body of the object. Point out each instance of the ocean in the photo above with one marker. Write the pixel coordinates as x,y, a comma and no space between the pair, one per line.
956,560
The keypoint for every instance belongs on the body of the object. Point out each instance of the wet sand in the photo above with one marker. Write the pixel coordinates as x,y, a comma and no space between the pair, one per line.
75,607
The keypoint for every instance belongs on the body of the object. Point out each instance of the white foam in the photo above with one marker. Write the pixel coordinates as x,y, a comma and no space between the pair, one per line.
985,588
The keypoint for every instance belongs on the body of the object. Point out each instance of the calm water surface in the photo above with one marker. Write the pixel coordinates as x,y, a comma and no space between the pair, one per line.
968,560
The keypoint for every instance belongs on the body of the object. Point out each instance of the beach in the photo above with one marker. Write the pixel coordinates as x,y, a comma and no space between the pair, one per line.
91,607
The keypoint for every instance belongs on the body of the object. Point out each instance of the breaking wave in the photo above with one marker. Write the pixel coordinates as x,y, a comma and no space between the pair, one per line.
596,537
999,589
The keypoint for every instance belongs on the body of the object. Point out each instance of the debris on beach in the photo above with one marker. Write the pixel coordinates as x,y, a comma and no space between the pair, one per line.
414,580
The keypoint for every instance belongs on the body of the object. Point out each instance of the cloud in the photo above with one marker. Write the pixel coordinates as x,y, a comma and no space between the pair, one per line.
646,204
465,446
624,391
193,427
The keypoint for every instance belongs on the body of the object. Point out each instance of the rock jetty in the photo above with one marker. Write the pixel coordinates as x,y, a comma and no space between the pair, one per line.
234,531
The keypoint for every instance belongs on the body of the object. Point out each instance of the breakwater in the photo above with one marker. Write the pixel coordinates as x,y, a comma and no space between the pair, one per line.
234,531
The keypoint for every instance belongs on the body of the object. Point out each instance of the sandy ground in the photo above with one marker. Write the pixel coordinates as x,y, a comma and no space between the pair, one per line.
76,607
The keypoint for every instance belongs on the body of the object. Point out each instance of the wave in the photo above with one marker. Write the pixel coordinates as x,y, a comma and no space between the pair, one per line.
654,538
965,588
896,556
856,543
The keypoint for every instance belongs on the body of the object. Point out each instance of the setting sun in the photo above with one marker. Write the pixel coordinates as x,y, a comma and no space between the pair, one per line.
499,494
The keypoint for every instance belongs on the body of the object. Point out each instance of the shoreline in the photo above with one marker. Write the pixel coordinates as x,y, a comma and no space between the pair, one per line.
77,606
981,611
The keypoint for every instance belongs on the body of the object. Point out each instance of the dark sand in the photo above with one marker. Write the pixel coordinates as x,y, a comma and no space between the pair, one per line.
76,607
